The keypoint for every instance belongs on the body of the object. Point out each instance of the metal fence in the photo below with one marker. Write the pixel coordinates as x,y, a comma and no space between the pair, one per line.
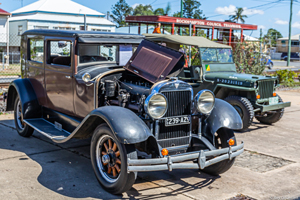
10,67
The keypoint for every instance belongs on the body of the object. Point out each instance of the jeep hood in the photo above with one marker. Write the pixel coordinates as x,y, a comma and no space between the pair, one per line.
236,76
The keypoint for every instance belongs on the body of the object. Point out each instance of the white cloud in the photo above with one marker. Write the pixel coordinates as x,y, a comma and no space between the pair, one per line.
261,27
230,10
298,12
281,22
136,4
296,25
226,10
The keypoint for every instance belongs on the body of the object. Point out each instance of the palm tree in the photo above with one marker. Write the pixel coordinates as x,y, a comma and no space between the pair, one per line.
161,11
238,15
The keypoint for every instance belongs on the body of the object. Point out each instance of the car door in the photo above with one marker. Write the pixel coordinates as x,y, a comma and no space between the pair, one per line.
59,74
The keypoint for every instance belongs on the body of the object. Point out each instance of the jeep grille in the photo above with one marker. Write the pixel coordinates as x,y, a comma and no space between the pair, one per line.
266,88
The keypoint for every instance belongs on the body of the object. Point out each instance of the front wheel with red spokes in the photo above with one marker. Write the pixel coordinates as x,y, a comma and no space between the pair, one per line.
109,160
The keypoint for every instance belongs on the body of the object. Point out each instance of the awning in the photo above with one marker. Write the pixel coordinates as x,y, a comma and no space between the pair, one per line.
187,40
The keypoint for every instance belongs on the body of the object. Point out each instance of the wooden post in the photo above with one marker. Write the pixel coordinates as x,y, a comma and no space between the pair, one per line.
207,34
128,27
173,27
242,37
212,34
163,29
139,30
230,32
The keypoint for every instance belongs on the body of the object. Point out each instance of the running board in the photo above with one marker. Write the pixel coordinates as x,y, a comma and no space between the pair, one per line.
47,129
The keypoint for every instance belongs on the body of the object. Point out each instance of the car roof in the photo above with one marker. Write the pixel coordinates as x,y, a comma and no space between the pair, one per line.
89,36
187,40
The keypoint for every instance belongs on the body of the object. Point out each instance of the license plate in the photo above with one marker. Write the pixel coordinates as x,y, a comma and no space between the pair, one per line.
172,121
273,100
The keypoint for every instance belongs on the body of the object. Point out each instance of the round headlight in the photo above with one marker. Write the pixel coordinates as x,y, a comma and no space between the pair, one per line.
255,84
86,77
205,101
156,105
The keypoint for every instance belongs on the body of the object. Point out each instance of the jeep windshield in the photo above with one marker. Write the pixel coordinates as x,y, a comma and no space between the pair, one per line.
216,55
115,53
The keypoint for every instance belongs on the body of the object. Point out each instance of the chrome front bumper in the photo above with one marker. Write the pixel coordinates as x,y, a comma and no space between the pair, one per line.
174,162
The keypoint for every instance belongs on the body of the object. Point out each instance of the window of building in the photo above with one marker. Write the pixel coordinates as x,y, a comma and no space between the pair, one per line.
102,30
64,28
36,50
20,30
296,43
59,52
282,41
41,27
82,28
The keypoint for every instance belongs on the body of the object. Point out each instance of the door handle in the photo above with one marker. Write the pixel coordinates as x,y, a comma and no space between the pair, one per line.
68,77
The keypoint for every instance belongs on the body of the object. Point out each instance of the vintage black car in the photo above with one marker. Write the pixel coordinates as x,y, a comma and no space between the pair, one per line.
120,90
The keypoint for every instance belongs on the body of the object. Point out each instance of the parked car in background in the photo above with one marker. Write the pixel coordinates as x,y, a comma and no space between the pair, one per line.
294,56
212,68
122,91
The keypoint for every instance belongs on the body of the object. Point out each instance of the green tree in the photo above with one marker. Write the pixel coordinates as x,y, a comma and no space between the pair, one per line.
176,14
143,10
272,35
161,11
191,9
238,15
119,11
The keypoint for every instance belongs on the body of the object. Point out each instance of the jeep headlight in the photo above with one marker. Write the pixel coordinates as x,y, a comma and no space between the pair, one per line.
205,101
156,105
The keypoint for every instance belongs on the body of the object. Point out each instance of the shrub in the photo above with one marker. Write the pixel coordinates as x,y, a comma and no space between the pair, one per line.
286,76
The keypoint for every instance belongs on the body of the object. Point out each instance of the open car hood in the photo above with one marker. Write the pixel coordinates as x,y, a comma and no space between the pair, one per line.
155,62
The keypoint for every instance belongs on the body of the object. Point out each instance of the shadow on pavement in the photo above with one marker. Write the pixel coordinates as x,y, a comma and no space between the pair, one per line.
66,169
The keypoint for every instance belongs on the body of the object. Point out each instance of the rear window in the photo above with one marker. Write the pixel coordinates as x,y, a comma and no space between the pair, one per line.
36,50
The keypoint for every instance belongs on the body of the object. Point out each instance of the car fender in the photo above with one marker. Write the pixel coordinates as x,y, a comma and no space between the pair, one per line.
126,125
223,115
26,93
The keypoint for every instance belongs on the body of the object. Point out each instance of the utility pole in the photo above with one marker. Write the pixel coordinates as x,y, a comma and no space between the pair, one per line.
181,14
290,33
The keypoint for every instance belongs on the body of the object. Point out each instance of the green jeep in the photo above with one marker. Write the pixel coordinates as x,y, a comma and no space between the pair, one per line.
212,68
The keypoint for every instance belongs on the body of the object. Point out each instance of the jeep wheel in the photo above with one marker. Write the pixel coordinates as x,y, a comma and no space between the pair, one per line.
109,161
221,141
270,118
245,109
22,128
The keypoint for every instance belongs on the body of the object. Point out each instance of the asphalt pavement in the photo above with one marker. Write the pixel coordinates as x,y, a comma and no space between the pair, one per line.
37,168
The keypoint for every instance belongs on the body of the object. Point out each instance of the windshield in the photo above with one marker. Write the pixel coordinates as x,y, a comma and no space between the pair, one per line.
216,55
116,53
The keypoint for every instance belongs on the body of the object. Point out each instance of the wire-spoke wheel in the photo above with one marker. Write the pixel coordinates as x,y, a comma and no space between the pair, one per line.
22,128
109,160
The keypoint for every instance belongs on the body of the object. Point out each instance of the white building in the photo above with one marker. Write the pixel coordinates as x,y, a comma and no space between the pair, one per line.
3,27
57,14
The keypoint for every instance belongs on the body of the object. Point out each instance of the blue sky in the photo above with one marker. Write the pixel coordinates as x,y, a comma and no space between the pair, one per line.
264,13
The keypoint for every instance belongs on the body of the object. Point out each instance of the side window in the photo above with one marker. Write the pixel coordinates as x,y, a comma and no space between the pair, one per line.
59,52
36,50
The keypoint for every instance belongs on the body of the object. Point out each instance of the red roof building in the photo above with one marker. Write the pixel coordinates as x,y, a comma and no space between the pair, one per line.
213,27
3,12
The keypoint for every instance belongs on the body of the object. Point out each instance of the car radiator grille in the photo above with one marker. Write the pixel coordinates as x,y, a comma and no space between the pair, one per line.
179,103
265,89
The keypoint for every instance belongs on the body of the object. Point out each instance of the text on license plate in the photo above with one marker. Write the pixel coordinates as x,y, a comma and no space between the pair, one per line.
171,121
273,100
